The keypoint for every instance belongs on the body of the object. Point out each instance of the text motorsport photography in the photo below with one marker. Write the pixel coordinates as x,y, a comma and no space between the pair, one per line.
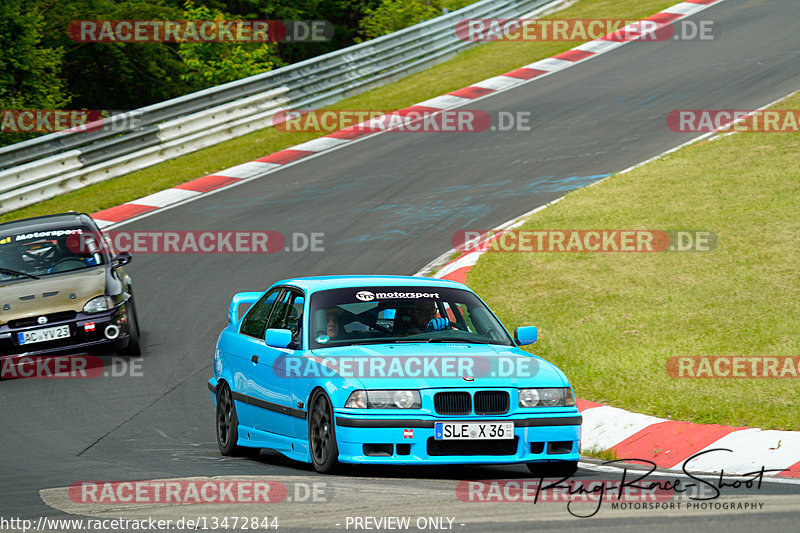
640,488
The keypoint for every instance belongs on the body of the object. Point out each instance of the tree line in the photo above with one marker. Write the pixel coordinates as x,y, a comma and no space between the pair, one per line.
41,67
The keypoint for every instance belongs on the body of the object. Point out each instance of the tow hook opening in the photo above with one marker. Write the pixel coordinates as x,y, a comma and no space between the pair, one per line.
111,332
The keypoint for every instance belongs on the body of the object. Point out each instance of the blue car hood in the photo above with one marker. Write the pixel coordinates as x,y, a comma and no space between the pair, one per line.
437,365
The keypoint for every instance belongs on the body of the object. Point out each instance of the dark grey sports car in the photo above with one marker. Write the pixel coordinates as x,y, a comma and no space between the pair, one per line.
62,290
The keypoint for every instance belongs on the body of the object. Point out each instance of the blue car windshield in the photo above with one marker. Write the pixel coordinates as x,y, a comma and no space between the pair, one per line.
370,315
52,251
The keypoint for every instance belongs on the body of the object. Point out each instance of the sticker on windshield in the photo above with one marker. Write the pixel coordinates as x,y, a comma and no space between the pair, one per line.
44,234
322,339
367,296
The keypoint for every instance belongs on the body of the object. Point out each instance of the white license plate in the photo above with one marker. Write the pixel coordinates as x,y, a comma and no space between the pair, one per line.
473,430
42,335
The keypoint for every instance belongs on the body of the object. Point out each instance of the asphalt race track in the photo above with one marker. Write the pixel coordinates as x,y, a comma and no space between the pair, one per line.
388,204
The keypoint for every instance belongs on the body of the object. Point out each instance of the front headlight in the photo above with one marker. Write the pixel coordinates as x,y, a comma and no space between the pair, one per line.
549,397
99,304
384,399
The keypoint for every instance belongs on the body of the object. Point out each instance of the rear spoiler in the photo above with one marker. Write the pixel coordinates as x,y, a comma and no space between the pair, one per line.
239,299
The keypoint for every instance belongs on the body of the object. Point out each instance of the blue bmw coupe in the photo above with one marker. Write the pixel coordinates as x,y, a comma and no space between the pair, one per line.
387,370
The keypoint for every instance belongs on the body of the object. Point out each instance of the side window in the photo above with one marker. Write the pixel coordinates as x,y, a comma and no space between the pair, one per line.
278,315
454,312
288,314
463,316
294,320
254,323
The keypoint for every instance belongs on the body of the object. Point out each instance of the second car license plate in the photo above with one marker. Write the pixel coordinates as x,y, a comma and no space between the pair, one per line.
42,335
473,430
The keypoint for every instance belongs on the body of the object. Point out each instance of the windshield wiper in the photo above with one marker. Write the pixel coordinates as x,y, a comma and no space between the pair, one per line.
446,339
17,273
357,342
407,340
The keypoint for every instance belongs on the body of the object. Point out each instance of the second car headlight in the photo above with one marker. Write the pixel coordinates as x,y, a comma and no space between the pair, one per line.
99,304
384,399
546,397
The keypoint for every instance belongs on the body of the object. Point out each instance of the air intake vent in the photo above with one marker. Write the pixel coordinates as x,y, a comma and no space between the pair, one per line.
32,321
472,447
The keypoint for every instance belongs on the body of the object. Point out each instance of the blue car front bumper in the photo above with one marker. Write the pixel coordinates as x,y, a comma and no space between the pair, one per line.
377,440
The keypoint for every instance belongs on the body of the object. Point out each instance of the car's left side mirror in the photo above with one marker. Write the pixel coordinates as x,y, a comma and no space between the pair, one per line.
278,338
122,259
525,335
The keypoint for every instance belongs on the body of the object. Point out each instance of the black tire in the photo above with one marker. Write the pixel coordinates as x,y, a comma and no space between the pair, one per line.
227,425
322,434
557,469
133,348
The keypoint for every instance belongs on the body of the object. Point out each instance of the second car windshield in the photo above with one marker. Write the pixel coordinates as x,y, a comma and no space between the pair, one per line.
48,252
369,315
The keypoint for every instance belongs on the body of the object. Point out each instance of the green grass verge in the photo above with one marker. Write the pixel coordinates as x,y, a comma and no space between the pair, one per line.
478,63
605,455
611,321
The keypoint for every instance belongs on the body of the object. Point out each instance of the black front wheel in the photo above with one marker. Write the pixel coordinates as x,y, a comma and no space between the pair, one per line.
133,348
322,435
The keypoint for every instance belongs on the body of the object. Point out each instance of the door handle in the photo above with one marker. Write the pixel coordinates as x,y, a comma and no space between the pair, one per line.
254,359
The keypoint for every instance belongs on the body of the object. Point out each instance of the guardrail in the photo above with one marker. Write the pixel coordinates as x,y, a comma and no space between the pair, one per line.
53,164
